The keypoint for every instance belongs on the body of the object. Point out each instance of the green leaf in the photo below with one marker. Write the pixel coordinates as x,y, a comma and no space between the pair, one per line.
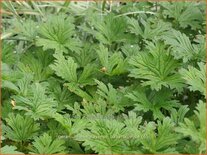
178,116
24,85
132,122
113,64
182,48
8,55
57,34
36,63
65,68
195,78
113,98
107,29
197,132
10,150
60,94
153,101
9,77
98,107
86,55
38,104
20,128
46,145
164,139
103,56
73,87
86,77
66,122
156,67
148,29
26,29
185,13
104,136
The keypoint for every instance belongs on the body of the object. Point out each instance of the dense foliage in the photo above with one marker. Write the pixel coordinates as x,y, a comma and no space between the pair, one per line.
103,77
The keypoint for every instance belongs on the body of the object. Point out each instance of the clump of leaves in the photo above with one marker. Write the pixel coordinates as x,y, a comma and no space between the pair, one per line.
103,77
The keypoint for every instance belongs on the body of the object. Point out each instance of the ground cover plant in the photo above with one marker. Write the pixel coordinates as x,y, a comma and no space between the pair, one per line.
103,77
